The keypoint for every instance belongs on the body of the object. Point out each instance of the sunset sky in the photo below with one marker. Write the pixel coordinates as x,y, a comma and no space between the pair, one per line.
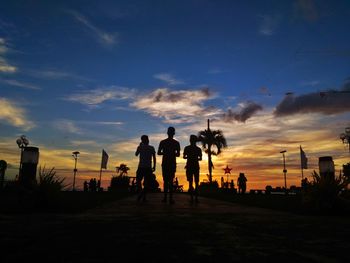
92,75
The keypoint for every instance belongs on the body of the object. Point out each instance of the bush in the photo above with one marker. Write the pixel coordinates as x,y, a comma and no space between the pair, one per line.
120,183
323,193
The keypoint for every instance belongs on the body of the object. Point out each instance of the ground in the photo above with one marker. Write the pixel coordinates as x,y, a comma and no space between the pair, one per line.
211,231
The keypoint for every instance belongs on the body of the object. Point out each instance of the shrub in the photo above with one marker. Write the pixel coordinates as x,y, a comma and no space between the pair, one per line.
322,193
120,182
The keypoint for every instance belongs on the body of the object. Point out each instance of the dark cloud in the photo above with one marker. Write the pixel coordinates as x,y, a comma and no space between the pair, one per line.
327,102
247,111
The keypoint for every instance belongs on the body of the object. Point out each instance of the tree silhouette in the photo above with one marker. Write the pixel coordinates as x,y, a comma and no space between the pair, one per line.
210,138
122,169
3,167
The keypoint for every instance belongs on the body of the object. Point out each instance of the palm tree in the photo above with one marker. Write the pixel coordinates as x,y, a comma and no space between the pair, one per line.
210,138
122,169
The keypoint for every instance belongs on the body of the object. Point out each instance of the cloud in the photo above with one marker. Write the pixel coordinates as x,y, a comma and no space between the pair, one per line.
97,96
5,67
327,103
307,10
67,126
248,109
176,106
14,115
54,74
16,83
168,78
105,38
269,24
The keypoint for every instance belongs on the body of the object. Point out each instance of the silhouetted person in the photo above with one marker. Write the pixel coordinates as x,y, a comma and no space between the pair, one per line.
170,149
86,186
242,183
193,154
99,186
145,168
91,185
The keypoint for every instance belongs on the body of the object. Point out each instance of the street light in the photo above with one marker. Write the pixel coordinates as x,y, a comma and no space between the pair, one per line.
75,156
284,170
345,137
22,142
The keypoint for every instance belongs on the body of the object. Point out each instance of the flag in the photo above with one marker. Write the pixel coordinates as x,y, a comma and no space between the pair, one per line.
104,159
303,159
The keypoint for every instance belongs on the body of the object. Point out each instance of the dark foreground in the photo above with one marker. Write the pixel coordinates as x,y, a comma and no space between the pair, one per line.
211,231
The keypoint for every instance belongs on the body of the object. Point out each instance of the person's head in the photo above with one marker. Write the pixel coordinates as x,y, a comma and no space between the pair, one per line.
144,139
193,139
171,131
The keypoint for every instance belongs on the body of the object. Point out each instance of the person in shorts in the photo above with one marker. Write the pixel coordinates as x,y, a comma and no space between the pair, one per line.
193,154
145,169
170,149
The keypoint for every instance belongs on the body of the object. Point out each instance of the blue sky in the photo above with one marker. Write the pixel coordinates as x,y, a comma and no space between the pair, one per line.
89,75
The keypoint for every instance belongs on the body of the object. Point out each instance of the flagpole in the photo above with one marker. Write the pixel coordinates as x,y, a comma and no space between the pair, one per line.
301,164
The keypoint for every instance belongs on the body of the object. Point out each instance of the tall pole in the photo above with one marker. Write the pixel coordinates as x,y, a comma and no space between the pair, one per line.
75,155
284,170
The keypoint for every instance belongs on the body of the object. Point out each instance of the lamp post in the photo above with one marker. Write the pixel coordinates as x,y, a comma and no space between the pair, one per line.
75,156
345,137
22,142
284,170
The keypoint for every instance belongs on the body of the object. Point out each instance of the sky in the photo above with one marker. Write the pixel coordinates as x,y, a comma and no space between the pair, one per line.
91,75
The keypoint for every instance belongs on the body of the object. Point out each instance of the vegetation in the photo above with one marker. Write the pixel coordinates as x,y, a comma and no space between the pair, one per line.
3,167
209,139
122,169
324,192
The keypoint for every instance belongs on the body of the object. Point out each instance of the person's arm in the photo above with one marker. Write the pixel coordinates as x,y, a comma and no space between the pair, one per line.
137,151
178,149
200,155
185,154
154,161
160,149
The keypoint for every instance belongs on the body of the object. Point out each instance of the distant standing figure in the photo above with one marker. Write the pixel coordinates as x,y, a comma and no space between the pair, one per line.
86,186
170,149
144,171
242,183
193,154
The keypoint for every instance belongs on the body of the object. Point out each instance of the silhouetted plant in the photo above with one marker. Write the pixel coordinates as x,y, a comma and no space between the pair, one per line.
210,138
122,169
120,182
49,181
3,167
322,193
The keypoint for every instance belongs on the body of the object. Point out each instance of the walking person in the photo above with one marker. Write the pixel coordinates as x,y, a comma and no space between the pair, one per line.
242,183
145,169
170,149
193,154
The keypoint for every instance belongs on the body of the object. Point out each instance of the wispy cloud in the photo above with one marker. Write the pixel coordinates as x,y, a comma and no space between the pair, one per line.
168,79
307,10
5,66
268,24
93,98
54,74
103,37
14,115
67,126
176,106
311,83
19,84
217,70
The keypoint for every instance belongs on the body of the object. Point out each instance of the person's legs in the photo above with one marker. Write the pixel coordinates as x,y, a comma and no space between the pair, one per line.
196,182
139,176
171,188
